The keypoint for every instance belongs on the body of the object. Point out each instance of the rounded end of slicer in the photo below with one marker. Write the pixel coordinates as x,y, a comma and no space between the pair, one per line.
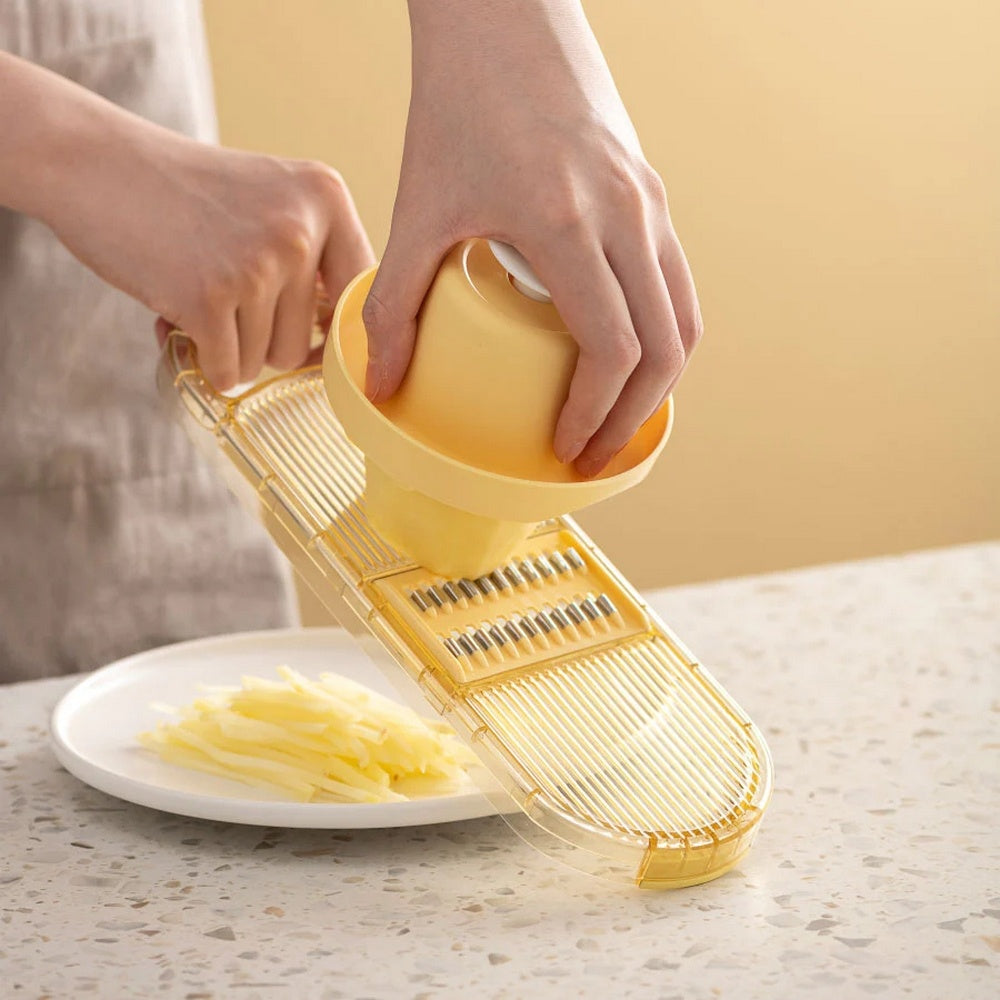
471,427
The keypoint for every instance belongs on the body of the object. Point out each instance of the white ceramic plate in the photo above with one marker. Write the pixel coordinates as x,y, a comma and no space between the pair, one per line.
94,726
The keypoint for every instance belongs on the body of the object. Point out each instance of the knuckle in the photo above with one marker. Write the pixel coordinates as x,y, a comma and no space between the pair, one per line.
622,352
652,184
627,192
562,211
663,360
216,291
327,181
258,271
294,239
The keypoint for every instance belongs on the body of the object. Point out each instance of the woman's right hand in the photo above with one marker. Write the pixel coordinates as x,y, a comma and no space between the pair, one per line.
224,245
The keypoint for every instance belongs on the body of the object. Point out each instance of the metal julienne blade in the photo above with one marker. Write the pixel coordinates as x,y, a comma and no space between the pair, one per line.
627,759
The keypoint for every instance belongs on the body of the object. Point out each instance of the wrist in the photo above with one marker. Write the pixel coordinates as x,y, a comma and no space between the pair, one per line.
106,157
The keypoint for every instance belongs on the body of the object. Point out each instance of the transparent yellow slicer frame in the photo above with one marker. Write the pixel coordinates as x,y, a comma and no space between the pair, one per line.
625,757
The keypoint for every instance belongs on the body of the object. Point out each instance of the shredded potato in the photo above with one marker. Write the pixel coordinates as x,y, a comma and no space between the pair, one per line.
329,740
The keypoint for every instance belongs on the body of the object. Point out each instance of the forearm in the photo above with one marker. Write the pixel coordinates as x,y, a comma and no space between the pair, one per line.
541,52
62,144
553,36
488,23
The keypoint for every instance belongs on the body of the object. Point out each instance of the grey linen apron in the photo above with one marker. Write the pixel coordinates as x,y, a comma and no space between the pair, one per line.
114,535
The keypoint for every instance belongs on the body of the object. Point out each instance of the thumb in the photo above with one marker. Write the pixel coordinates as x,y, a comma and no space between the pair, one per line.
390,311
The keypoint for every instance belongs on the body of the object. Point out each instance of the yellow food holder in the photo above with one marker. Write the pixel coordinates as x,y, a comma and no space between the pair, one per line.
459,461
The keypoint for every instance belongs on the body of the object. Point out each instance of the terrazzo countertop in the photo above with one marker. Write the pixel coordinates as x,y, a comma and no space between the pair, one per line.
875,871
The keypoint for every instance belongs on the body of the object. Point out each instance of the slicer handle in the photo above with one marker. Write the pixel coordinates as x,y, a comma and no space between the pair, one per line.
522,275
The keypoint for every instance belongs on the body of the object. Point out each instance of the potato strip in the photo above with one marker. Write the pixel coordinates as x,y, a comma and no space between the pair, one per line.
325,740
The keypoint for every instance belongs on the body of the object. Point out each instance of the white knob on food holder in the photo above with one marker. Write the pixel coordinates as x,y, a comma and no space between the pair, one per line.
521,274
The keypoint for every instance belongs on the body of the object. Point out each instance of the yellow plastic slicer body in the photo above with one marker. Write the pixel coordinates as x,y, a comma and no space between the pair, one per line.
626,758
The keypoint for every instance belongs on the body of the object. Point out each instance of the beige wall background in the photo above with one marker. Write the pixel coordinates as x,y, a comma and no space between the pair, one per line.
833,174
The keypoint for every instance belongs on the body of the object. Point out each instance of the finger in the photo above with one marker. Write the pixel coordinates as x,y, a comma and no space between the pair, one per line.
662,359
315,356
683,294
411,260
217,341
590,300
685,299
325,305
322,321
163,328
255,324
346,252
687,309
294,315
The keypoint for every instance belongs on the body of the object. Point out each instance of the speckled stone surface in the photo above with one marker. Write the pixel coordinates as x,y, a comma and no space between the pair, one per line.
875,872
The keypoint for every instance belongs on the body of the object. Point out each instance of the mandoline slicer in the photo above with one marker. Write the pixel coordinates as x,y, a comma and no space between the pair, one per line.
625,757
